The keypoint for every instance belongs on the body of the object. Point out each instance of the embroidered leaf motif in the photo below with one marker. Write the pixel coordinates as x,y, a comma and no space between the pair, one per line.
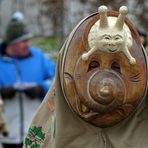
35,137
38,132
28,142
35,146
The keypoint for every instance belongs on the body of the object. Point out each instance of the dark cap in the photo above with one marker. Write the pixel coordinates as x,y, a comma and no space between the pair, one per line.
16,30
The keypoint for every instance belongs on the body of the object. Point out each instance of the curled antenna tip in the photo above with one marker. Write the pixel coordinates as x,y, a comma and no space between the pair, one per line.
123,10
102,9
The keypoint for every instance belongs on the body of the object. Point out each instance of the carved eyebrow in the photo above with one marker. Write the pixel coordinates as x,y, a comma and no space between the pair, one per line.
105,35
118,36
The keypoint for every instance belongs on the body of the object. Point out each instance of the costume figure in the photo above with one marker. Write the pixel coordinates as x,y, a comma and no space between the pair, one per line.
99,89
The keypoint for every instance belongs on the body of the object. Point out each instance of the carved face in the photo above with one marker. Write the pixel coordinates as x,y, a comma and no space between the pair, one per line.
103,89
110,39
110,42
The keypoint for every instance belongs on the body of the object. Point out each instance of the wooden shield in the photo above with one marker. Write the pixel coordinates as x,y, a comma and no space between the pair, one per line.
106,88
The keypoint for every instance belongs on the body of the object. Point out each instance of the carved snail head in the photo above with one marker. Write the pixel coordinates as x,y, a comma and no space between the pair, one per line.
104,68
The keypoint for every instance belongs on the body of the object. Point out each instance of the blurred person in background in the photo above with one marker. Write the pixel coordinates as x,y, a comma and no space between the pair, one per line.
25,77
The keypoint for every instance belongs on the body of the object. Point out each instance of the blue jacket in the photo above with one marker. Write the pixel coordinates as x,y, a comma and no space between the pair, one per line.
37,68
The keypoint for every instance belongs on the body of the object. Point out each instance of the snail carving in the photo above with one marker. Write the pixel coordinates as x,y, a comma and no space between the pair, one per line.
110,35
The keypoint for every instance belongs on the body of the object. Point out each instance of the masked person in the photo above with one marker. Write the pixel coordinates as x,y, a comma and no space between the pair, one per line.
26,75
97,99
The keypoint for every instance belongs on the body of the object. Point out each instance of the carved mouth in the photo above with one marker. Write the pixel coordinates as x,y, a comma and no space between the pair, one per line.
112,50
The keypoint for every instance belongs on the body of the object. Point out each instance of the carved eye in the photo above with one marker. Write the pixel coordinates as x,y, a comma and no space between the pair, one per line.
117,37
116,67
93,65
107,37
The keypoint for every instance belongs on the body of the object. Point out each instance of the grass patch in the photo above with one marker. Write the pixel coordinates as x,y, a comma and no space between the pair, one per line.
49,45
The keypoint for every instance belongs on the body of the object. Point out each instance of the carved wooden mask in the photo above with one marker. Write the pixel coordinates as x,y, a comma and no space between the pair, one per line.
106,88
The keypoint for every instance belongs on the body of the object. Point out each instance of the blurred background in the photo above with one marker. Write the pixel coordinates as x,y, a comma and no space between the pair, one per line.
52,20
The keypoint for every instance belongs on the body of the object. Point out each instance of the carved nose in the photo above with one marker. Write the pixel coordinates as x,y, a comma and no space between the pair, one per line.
111,44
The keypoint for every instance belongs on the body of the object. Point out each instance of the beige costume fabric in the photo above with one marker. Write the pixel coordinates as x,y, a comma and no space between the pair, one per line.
62,128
